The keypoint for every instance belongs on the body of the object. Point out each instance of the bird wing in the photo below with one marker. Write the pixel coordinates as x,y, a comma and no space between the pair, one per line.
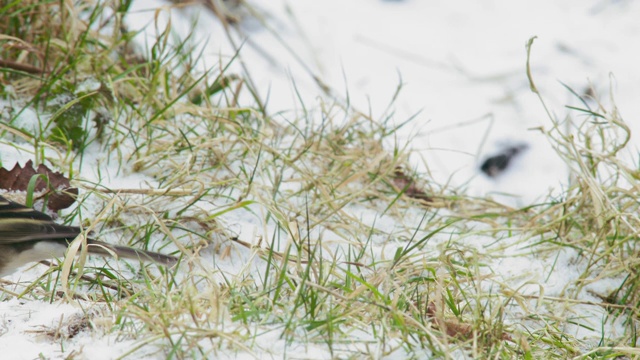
13,210
19,223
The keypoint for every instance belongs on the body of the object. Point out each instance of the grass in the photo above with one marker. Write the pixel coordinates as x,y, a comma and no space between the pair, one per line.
297,234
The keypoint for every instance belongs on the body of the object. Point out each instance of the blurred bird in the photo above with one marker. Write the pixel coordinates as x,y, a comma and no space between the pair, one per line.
28,235
497,164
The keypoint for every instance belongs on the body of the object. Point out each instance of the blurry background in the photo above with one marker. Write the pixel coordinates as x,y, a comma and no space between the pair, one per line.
456,69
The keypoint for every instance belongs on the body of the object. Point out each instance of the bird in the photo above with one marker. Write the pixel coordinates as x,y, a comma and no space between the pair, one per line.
497,164
28,235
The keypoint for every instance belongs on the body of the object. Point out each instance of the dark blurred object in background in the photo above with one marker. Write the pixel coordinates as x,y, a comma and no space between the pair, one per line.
496,164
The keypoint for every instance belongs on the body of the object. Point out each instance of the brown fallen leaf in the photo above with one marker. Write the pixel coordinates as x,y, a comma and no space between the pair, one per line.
58,188
454,328
404,182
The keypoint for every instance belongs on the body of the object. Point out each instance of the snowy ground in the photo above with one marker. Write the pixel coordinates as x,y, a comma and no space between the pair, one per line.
461,68
462,71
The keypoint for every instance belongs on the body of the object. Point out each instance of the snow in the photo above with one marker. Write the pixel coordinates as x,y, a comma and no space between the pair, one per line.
461,67
462,70
29,332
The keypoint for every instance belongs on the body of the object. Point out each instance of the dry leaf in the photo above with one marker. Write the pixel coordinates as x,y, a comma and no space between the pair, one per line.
59,191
